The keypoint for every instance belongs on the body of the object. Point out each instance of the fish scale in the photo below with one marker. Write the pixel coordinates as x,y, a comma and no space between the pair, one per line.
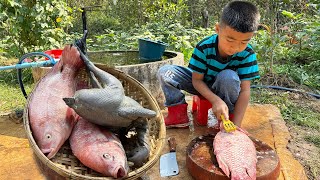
236,154
51,120
90,144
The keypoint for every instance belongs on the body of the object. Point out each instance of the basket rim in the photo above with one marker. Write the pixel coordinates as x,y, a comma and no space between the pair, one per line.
131,175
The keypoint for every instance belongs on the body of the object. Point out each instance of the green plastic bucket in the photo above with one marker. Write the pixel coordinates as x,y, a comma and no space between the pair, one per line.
150,50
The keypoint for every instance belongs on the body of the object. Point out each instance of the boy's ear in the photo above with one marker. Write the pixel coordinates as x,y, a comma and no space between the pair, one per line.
217,28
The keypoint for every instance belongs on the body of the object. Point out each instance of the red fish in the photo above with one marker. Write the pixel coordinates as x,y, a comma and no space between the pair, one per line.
51,120
236,154
98,149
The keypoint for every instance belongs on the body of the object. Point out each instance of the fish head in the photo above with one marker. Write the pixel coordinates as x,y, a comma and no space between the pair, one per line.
115,162
50,142
80,101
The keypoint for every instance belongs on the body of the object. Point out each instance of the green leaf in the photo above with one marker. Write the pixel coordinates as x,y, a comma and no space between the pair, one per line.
14,3
288,14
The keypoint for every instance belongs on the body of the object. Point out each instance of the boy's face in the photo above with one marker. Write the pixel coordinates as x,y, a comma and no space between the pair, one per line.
231,41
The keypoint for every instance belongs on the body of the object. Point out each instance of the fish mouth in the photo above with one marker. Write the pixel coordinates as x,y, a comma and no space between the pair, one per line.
119,172
69,101
48,152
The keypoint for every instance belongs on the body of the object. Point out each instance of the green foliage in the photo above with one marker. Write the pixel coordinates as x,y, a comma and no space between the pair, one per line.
291,111
293,49
303,30
10,93
175,35
303,74
264,46
97,23
10,76
124,15
166,12
12,97
302,116
33,25
314,140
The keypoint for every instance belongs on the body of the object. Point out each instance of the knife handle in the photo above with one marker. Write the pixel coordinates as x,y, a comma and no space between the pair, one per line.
172,144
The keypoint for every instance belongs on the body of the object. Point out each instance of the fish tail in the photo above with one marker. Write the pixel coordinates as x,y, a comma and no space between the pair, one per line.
241,174
71,57
223,165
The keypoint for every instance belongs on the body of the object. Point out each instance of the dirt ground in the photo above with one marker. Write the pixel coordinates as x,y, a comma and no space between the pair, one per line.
305,152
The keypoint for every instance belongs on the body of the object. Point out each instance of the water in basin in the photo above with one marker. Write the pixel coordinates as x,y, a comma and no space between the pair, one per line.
114,58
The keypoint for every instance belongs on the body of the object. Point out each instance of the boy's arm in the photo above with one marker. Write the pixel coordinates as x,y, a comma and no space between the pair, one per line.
242,102
219,106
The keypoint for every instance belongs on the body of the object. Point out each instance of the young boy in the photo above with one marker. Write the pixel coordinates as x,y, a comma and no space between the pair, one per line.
220,69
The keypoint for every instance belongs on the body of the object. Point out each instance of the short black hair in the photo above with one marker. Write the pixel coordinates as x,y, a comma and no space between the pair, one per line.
241,16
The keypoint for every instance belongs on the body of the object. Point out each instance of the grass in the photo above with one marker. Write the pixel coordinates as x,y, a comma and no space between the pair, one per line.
292,111
313,139
11,98
10,94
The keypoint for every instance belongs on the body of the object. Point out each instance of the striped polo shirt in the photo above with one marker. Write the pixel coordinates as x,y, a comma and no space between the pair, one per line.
206,60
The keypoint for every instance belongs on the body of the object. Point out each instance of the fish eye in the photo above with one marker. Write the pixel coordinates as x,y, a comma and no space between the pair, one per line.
48,136
106,156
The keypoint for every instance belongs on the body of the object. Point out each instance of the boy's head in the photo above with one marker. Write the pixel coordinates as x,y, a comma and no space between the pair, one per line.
239,21
241,16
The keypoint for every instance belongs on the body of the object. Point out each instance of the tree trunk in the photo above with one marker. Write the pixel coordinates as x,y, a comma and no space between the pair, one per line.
205,18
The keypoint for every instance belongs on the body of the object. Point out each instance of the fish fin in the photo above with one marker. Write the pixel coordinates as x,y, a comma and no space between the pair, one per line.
223,165
135,112
241,174
71,57
94,81
71,116
252,172
243,131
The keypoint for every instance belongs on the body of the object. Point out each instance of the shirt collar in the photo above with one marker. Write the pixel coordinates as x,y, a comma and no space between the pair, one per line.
219,58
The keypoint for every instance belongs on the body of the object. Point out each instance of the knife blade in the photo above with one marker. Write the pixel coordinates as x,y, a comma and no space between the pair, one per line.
168,161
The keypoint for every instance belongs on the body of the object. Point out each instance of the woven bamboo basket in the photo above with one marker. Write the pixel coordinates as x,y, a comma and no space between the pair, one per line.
66,166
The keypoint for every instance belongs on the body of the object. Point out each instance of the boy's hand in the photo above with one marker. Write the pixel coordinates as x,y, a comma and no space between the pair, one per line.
219,107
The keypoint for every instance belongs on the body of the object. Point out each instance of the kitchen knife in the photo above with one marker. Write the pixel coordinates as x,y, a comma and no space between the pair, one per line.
168,161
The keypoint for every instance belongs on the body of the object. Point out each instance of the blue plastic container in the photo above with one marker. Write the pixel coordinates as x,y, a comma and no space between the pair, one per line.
150,51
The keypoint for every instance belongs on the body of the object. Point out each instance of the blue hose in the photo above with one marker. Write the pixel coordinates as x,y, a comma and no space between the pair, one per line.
35,64
285,89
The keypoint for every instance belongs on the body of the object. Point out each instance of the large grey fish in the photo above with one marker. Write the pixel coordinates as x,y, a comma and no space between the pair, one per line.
98,149
106,103
51,120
